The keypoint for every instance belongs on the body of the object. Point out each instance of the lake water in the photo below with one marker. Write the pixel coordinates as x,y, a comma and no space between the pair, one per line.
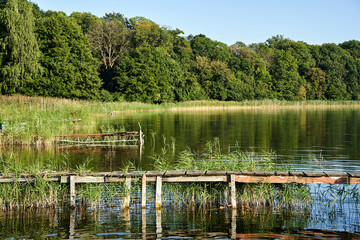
314,139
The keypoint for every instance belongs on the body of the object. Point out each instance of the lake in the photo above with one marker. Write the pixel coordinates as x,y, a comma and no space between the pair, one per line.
323,139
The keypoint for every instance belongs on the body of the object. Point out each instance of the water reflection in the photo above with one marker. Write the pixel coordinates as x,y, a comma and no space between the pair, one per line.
307,139
164,224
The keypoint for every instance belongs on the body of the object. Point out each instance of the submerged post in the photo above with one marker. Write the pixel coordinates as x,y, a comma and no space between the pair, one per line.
127,192
233,191
158,192
72,192
143,191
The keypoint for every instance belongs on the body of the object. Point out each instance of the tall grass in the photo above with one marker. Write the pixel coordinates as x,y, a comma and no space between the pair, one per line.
248,195
35,120
40,193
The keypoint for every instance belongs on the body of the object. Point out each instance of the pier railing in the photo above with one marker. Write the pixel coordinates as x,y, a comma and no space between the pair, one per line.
181,176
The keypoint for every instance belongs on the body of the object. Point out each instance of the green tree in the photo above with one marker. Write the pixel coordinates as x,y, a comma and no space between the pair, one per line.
69,69
286,79
20,53
85,20
213,50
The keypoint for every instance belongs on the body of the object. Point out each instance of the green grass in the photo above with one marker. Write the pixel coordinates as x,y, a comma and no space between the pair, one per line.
248,195
35,120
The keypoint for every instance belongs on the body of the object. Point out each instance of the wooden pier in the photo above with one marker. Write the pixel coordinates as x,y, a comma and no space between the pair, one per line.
181,176
98,138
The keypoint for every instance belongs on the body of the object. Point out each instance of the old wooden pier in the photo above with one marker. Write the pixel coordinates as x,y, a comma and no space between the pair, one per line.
181,176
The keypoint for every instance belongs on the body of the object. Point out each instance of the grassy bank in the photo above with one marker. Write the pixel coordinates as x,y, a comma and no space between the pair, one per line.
35,120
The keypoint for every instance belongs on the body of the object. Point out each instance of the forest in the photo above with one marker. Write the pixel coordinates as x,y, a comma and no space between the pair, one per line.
115,58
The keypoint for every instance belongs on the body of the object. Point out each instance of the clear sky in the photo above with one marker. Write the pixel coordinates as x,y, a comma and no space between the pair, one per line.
229,21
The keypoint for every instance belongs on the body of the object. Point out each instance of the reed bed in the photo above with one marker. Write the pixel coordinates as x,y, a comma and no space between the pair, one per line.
248,195
35,120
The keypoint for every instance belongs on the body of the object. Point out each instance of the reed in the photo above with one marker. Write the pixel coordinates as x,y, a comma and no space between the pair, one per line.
248,195
35,120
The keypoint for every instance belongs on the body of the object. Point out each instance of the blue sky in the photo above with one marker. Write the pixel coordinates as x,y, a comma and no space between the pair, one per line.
228,21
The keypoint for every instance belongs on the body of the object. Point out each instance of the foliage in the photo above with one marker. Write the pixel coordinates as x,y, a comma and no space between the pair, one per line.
48,54
19,50
69,69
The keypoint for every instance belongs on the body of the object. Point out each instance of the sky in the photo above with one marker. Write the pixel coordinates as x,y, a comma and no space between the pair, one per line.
229,21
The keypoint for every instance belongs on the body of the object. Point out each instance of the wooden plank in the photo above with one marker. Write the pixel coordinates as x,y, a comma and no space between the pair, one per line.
154,173
89,179
280,173
134,174
264,173
354,180
126,203
233,191
114,179
174,173
158,201
315,174
291,179
26,179
132,134
195,173
354,174
143,191
196,179
72,192
215,173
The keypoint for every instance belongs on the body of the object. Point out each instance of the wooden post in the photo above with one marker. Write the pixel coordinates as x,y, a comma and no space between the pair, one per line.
72,192
143,191
158,224
127,192
158,192
143,223
233,223
233,191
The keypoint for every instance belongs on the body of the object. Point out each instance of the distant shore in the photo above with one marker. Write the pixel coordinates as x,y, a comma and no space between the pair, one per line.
35,120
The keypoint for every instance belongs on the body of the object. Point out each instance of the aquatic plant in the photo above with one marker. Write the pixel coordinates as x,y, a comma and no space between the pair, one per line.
35,120
254,195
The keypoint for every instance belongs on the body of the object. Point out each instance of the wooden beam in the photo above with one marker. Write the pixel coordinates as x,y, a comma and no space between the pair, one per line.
126,203
158,202
291,179
233,191
72,192
196,179
143,191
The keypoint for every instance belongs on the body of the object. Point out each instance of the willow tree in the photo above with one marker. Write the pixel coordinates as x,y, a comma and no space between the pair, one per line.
19,51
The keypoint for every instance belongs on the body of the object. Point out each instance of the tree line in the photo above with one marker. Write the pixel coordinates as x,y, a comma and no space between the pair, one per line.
112,58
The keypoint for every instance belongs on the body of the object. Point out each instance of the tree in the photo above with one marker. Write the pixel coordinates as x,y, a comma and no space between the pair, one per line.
85,20
286,79
213,50
19,49
109,39
69,69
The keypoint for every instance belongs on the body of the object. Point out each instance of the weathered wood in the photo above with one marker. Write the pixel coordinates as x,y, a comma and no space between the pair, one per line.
280,173
114,179
215,173
143,192
126,203
195,173
354,174
134,174
89,179
154,173
99,135
233,191
291,179
72,192
196,179
158,202
173,173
